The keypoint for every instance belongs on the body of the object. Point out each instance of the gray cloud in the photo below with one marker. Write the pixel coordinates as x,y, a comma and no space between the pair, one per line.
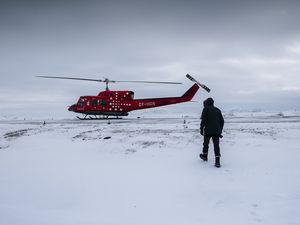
247,52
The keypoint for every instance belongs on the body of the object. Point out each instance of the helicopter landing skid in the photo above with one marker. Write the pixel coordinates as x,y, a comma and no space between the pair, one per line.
86,117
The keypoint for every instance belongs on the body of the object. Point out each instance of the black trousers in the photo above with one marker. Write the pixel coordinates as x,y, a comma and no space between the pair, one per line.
216,141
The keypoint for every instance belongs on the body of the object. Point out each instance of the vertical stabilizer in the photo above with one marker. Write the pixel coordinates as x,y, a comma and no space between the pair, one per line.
189,94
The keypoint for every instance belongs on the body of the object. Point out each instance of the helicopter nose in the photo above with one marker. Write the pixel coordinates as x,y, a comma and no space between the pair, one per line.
72,108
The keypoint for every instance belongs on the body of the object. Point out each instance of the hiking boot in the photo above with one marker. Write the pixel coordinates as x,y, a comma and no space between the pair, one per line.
217,164
203,156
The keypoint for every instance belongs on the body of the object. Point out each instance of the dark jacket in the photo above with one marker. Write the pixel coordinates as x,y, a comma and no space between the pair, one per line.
212,121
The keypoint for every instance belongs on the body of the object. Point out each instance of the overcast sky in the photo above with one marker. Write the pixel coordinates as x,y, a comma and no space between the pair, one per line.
247,52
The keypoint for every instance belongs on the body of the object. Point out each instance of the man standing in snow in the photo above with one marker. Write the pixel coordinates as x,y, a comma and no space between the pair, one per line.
212,123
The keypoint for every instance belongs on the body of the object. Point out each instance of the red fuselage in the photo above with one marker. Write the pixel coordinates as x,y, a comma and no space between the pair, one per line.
119,103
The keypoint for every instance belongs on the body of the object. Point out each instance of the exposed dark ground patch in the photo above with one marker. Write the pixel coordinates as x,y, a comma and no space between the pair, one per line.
16,134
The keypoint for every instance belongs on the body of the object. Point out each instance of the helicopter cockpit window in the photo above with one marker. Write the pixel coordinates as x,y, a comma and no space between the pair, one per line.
94,102
81,102
104,102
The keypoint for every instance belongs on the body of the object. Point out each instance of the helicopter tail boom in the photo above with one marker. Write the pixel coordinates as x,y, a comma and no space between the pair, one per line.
157,102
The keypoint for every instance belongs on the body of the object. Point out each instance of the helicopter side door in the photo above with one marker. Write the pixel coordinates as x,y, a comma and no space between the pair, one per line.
94,103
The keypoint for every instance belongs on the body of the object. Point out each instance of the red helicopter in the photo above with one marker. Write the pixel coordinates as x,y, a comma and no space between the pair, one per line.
120,103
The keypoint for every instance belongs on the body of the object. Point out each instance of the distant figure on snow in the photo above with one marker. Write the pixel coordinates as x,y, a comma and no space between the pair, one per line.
211,126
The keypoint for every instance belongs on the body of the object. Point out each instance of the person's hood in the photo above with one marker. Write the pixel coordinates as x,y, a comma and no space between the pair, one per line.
209,102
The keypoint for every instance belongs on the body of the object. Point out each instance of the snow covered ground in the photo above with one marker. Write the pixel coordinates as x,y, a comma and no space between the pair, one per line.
147,171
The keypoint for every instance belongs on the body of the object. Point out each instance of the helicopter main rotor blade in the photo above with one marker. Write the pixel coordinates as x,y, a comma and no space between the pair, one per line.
71,78
149,82
106,80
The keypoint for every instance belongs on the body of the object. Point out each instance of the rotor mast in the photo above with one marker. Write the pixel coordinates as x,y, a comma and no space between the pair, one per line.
106,86
106,81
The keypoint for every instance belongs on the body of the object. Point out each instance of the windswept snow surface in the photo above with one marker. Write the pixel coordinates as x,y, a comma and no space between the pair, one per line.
147,171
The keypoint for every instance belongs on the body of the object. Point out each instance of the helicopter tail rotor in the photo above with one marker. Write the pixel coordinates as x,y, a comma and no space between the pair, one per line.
197,82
